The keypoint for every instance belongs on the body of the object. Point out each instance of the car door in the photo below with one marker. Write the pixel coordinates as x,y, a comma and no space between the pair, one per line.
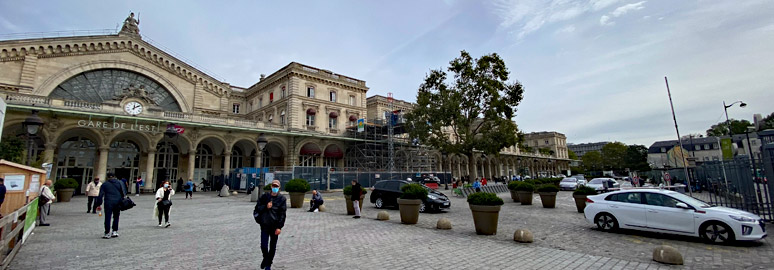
662,214
392,191
627,207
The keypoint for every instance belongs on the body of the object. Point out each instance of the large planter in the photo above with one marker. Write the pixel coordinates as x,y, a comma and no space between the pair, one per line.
548,199
514,195
296,199
64,195
485,218
350,209
580,202
525,197
409,210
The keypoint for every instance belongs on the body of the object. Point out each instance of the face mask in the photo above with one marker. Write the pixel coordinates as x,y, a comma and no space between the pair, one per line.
166,185
274,189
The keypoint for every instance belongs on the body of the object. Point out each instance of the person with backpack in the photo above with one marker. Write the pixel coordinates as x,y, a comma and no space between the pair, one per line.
164,202
110,195
270,212
188,187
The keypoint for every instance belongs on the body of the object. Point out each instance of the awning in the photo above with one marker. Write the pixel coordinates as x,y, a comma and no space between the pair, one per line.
333,115
311,111
352,118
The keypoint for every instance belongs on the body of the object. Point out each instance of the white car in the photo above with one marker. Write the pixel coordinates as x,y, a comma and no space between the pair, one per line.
601,184
665,211
568,183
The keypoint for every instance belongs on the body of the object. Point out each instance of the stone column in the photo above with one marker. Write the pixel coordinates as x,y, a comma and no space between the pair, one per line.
191,163
103,159
227,163
48,154
258,158
150,165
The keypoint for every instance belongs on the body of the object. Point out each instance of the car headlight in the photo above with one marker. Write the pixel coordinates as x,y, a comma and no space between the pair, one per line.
432,197
742,218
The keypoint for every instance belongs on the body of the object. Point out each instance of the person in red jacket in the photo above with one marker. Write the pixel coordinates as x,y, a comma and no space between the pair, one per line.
483,181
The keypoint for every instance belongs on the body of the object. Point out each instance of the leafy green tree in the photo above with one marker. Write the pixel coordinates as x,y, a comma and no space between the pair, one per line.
768,122
577,170
572,155
472,111
613,155
636,158
721,129
13,149
592,161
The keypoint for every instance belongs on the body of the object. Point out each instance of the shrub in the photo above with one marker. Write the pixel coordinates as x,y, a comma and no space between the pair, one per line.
484,198
525,186
297,185
585,190
348,190
413,192
267,187
65,183
548,188
513,184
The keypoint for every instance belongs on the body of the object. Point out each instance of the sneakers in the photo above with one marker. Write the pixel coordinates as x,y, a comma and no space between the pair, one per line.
168,224
114,234
356,217
107,236
161,225
138,195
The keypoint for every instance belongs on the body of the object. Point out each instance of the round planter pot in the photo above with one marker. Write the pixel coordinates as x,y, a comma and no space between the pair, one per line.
514,195
548,199
409,211
580,202
485,218
296,199
350,208
65,194
525,197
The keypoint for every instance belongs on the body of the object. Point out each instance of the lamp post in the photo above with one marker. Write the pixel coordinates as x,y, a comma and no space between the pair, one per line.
171,132
752,161
262,141
31,126
725,108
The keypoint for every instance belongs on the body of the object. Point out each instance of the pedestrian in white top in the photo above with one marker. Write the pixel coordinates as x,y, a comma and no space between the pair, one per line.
92,190
164,202
43,209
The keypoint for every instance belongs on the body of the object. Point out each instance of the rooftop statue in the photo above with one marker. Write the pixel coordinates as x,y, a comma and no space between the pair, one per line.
131,25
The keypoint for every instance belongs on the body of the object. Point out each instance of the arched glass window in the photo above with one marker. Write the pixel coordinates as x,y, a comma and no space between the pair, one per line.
236,158
98,86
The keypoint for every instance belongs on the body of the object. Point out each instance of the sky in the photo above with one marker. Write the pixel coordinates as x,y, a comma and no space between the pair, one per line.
592,69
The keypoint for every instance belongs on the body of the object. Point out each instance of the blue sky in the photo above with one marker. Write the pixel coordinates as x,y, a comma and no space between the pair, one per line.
592,69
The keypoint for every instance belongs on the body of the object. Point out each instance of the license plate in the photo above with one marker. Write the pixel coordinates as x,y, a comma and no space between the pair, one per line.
446,203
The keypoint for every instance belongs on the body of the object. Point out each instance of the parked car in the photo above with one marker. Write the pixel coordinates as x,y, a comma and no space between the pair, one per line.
432,183
568,183
579,177
665,211
603,184
386,193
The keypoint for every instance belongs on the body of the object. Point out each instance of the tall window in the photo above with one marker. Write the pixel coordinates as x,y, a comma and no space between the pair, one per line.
333,96
260,103
236,108
249,106
310,91
310,120
282,92
282,118
352,100
351,123
271,117
332,123
271,97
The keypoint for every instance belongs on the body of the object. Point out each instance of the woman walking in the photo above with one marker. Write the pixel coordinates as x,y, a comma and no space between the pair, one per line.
164,202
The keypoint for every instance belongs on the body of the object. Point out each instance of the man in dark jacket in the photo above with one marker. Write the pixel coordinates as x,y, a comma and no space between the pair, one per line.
111,193
316,201
270,214
356,190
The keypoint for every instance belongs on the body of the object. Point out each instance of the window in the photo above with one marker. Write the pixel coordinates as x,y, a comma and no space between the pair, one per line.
332,123
333,96
250,106
352,123
352,100
546,141
236,108
282,118
271,117
271,97
663,150
260,103
706,147
697,147
282,92
310,120
660,200
310,91
632,197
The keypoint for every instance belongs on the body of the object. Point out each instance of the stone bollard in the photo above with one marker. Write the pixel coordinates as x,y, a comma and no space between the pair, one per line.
443,224
255,194
321,208
668,255
234,193
383,215
523,236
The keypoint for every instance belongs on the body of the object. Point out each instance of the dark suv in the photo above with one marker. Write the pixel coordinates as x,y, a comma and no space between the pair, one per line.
386,193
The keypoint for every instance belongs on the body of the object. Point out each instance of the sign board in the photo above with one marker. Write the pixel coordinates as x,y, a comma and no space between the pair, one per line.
29,220
360,125
269,177
15,182
255,175
34,184
376,176
243,181
179,129
727,147
667,178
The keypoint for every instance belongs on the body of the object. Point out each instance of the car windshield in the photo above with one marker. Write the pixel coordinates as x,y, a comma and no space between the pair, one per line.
597,181
690,200
568,180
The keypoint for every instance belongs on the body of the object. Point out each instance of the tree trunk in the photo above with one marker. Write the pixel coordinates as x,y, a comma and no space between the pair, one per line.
472,168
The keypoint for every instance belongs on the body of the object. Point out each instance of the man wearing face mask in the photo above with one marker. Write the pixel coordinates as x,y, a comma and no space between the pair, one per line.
270,214
92,190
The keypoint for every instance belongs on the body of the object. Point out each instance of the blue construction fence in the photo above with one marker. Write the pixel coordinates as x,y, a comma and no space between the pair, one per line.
320,178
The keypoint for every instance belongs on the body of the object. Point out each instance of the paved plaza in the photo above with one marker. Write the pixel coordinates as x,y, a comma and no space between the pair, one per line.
210,232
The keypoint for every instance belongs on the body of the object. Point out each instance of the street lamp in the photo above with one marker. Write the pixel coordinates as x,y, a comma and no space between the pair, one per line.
752,161
31,125
262,141
725,108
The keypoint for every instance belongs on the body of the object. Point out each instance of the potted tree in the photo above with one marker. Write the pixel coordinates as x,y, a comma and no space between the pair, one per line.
410,201
548,195
348,199
297,188
512,188
580,195
525,190
486,211
64,189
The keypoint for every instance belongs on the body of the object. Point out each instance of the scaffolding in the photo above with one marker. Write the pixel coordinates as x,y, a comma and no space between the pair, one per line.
379,150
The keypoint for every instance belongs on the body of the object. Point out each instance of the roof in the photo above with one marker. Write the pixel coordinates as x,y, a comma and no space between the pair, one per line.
20,166
688,144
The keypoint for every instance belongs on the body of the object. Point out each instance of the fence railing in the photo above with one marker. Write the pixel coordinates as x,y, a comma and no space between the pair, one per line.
14,227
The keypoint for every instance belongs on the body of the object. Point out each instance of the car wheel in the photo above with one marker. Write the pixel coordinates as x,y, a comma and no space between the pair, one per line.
422,207
716,232
379,203
606,222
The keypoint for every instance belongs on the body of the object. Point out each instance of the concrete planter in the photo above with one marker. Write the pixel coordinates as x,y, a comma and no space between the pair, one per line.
580,202
65,194
350,209
525,197
296,199
409,210
514,195
548,199
485,218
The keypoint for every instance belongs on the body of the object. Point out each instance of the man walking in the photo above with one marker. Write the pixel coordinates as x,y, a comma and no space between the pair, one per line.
137,184
189,186
43,209
111,193
356,190
316,201
92,190
270,214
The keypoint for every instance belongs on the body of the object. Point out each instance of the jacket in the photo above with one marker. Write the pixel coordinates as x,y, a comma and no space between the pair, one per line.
160,193
111,193
477,184
92,190
47,193
274,217
190,186
356,190
317,197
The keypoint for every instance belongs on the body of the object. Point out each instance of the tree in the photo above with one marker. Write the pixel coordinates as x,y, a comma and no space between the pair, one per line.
613,155
592,161
768,122
636,158
721,129
13,149
472,112
572,155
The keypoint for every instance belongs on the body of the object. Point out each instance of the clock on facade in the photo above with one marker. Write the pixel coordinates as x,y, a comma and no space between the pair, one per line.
133,108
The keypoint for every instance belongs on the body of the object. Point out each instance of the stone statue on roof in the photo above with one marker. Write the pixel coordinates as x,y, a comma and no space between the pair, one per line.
131,25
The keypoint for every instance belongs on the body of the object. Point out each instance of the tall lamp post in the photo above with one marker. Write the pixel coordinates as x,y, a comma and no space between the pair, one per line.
171,132
262,141
725,108
31,125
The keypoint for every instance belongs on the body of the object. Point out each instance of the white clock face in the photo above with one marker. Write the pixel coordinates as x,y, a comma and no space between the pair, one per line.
133,108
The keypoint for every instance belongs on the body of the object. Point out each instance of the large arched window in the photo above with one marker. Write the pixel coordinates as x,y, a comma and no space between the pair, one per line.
98,86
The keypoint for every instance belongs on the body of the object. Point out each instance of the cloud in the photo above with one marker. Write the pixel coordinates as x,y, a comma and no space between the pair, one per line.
605,20
528,16
626,8
601,4
567,29
8,25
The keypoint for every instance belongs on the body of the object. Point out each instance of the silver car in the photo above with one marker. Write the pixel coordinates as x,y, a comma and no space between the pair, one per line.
603,184
568,183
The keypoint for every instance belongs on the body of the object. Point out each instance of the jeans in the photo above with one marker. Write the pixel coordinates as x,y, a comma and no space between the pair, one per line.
189,193
268,249
356,205
314,205
92,204
164,210
43,212
137,188
111,212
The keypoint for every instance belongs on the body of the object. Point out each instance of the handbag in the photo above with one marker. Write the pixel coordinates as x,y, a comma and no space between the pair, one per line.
42,199
165,203
125,203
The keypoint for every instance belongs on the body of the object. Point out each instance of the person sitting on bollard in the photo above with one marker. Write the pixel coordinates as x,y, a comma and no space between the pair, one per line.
316,201
477,185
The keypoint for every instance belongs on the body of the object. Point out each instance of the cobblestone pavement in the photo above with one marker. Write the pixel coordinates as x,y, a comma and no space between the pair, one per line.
219,233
